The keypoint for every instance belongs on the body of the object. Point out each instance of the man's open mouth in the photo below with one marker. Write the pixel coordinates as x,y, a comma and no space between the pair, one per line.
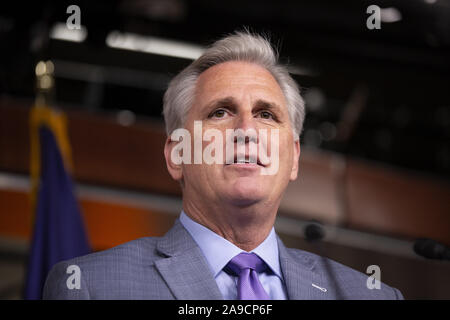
245,161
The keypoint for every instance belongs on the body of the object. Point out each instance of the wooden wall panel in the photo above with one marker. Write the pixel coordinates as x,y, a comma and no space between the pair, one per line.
107,224
110,224
14,135
315,194
15,214
393,202
105,152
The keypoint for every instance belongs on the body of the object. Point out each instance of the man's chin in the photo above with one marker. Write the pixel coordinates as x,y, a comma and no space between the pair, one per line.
246,193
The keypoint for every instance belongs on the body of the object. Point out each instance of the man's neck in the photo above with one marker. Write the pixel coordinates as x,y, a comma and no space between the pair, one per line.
245,227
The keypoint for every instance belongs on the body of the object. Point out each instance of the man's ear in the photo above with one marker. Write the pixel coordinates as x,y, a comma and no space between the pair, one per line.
175,170
295,160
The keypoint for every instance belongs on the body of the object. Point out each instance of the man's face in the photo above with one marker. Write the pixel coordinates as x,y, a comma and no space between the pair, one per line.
238,95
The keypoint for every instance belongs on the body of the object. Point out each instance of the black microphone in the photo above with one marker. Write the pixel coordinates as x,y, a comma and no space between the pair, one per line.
431,249
314,232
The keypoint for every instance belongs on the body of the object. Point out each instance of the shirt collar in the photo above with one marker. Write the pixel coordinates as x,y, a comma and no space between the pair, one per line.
210,243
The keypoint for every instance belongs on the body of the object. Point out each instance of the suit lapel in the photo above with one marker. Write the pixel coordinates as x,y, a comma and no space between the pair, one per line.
301,280
184,267
187,273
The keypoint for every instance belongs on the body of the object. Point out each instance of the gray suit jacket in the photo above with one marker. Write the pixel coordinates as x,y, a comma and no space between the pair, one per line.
173,267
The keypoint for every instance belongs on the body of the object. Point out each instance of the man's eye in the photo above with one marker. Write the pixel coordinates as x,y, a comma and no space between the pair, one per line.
219,113
266,115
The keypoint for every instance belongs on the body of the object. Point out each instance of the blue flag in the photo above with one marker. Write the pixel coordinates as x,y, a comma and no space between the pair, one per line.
58,225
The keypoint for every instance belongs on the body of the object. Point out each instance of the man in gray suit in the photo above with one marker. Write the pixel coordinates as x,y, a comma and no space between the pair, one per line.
224,245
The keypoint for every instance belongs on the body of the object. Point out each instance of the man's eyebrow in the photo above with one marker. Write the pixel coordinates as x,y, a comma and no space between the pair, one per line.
232,103
221,101
263,104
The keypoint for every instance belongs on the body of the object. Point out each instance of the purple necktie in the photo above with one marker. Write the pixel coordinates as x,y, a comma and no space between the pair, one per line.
246,266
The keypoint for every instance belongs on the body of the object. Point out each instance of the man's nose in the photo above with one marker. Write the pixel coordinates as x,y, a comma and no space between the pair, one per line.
246,124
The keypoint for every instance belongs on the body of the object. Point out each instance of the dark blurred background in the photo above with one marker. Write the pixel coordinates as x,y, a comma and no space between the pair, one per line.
376,162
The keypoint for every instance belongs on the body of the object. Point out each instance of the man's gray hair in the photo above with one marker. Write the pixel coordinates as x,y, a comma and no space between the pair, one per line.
241,46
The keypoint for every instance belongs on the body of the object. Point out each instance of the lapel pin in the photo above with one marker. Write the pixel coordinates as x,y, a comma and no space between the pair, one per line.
320,288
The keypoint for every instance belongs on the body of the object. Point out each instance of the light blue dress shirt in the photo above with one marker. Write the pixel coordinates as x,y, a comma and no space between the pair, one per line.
219,251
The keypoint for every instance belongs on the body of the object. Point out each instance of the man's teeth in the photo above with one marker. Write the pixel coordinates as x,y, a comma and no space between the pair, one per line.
243,161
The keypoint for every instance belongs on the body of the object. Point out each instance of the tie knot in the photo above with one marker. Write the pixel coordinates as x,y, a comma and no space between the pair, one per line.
244,261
